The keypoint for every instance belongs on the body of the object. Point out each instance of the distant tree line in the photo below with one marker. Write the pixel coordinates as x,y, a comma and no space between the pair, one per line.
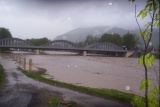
4,33
128,40
38,41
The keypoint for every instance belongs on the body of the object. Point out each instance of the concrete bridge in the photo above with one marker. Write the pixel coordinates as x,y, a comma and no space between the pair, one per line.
63,45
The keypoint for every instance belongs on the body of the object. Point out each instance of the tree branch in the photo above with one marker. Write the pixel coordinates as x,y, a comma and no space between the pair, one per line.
139,26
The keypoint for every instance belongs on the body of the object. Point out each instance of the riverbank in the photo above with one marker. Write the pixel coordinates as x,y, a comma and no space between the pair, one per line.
105,93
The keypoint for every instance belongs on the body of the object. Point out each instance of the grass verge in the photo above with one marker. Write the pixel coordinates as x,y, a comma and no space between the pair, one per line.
1,74
106,93
57,102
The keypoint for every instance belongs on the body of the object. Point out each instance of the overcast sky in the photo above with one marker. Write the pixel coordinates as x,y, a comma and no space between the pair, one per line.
49,18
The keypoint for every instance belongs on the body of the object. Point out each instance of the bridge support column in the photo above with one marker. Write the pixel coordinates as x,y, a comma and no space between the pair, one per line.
37,51
83,53
117,54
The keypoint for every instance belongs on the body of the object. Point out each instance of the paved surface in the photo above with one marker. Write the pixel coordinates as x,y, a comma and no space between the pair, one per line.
21,91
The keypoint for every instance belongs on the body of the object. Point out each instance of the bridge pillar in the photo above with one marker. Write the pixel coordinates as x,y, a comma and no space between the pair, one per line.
37,51
83,53
117,54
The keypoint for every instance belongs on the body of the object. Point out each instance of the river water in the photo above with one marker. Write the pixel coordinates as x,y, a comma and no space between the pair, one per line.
93,71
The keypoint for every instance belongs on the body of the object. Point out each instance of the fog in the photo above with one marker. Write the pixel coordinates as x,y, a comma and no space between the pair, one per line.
49,18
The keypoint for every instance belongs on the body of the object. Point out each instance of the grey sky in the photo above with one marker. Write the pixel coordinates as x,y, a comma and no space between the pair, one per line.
49,18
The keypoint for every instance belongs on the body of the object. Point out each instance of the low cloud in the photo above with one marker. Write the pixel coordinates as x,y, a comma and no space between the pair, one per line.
47,18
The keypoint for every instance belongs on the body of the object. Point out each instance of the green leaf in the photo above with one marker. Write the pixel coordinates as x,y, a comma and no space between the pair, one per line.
155,23
148,24
155,89
144,14
149,1
140,61
143,84
149,31
148,6
140,13
153,99
140,34
158,24
155,6
138,101
144,35
149,59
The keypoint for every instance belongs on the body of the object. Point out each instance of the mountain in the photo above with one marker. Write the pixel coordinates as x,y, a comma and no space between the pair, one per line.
80,34
120,31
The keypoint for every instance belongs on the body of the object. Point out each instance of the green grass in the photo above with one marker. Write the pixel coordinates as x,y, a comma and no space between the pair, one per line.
106,93
1,74
57,102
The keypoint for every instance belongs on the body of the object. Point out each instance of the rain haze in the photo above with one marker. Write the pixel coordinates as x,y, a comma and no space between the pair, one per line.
50,18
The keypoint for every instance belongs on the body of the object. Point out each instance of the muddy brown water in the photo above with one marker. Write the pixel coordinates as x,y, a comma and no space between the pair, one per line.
94,71
21,91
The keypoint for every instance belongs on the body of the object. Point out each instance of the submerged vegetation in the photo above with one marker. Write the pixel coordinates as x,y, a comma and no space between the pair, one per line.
106,93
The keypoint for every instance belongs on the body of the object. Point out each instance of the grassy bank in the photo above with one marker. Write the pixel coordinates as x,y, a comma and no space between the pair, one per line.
106,93
56,102
1,74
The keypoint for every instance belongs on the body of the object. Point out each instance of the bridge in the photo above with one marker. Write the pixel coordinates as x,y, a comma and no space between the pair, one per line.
64,45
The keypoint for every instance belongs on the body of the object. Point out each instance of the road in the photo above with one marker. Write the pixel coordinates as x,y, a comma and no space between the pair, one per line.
21,91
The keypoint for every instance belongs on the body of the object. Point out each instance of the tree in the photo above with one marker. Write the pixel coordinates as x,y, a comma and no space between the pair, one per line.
81,44
129,41
38,41
90,40
115,38
152,98
5,33
106,38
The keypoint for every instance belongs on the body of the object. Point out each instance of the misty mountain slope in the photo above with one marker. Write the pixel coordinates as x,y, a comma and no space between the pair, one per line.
120,31
80,34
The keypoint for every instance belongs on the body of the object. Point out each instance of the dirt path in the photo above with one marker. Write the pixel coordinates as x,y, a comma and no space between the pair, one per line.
21,91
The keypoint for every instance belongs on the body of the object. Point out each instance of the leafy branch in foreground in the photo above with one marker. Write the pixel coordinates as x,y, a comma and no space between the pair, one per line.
152,98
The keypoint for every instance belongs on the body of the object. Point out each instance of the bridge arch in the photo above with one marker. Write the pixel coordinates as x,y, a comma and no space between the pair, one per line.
104,46
14,42
61,44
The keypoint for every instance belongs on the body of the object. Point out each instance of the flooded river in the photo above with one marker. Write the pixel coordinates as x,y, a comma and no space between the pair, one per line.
21,91
93,71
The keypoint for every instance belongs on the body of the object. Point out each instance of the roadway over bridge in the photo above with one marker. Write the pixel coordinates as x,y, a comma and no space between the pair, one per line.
63,45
